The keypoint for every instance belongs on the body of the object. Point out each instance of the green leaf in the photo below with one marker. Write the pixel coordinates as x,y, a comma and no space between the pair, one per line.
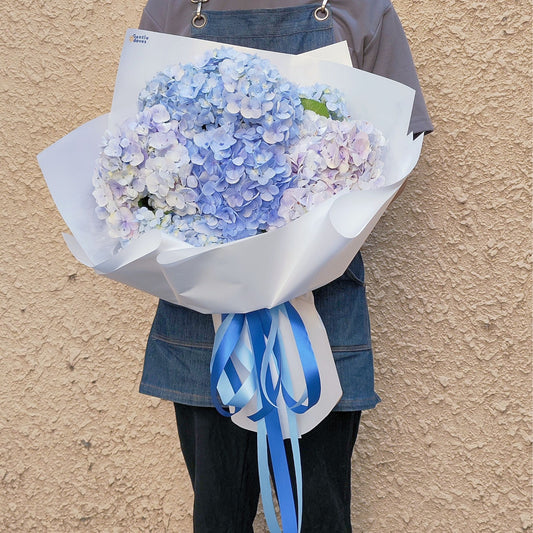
314,105
143,202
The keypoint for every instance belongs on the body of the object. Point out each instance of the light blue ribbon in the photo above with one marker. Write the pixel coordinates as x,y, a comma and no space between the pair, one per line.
239,374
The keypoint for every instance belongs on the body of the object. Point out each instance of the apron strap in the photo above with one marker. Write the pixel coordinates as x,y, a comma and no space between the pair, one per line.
199,20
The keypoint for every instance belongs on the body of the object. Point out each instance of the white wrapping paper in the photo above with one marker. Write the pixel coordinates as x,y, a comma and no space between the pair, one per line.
261,271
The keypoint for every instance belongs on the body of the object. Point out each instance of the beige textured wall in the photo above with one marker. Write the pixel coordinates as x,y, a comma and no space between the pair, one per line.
449,278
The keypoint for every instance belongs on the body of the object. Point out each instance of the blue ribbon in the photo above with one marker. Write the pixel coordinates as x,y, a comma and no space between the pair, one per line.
238,374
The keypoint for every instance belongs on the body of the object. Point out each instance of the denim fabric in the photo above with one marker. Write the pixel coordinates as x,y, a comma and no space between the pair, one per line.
178,352
292,30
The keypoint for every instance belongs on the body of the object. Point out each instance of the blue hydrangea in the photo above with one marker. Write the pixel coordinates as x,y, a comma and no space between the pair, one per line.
238,117
212,150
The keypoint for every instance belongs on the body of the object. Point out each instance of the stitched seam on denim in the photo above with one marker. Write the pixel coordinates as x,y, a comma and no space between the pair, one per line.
176,342
361,399
262,36
230,14
356,405
353,348
192,396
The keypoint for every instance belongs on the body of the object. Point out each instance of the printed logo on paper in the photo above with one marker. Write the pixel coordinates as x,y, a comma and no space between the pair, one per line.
139,38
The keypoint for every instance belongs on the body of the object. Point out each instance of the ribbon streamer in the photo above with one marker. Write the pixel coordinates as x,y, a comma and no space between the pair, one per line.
250,363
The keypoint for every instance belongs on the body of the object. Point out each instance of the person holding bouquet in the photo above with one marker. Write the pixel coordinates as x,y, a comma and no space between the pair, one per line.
221,457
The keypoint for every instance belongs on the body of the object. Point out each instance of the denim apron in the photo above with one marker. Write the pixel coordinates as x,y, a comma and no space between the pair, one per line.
178,352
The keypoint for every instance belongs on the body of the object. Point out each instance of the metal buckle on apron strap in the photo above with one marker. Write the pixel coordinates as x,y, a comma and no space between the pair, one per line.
322,12
199,20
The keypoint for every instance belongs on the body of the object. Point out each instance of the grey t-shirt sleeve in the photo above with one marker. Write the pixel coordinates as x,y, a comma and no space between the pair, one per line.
153,16
388,54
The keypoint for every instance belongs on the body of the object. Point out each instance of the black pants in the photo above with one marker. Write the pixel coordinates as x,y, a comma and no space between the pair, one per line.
222,461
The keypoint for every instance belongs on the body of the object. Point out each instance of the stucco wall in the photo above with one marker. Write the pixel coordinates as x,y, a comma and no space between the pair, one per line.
449,281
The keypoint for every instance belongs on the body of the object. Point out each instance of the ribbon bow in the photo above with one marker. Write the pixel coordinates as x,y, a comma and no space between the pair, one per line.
250,361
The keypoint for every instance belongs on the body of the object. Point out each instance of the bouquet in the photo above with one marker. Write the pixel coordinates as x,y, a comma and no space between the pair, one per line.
226,148
225,186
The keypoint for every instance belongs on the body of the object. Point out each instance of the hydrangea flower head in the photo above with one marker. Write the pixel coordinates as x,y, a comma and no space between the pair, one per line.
223,149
